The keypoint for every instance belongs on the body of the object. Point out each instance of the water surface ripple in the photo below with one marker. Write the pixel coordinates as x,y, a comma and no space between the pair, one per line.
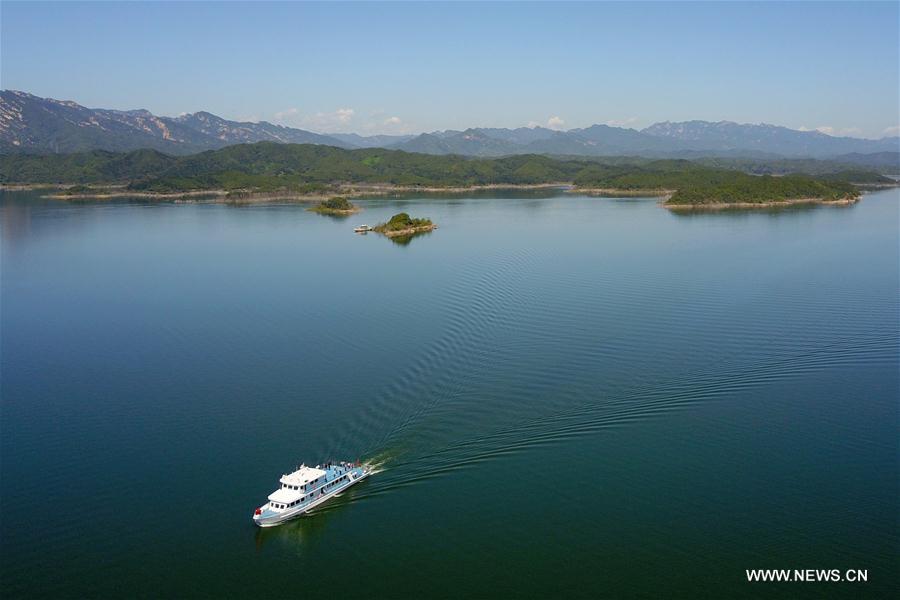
563,395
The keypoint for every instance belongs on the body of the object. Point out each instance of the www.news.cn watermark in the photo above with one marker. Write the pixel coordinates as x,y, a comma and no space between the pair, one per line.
808,575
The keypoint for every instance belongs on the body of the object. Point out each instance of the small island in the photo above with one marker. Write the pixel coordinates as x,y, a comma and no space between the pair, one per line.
402,225
762,191
335,206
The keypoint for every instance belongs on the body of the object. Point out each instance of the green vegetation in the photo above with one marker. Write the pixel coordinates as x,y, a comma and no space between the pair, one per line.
403,224
741,188
77,190
98,166
335,206
267,167
859,176
695,184
808,166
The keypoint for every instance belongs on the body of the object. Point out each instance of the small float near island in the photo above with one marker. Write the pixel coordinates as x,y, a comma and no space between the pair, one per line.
306,488
362,229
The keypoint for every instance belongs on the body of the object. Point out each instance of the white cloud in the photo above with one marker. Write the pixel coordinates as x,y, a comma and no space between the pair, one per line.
328,122
533,124
394,125
343,115
622,122
555,122
288,113
891,131
833,131
378,123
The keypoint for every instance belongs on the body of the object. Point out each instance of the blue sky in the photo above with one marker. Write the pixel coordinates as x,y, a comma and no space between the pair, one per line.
410,67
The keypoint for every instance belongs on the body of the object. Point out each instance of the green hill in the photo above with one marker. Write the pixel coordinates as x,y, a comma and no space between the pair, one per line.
273,167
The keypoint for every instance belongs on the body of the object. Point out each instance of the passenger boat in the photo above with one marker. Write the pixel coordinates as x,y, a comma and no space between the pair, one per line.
306,488
362,228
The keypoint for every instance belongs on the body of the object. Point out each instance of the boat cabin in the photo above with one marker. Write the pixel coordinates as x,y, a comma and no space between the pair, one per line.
310,483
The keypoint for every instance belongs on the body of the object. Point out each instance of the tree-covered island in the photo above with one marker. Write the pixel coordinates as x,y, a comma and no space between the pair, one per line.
335,206
402,225
268,170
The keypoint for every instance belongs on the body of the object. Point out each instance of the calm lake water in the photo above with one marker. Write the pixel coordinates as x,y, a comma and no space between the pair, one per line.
566,395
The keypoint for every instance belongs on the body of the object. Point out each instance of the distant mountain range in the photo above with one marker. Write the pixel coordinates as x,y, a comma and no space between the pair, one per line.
43,125
32,124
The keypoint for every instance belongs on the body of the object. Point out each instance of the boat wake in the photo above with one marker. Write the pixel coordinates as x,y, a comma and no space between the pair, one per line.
712,383
517,369
376,465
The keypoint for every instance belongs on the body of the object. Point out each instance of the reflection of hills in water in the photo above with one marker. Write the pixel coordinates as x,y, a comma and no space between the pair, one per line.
739,211
404,240
489,194
335,216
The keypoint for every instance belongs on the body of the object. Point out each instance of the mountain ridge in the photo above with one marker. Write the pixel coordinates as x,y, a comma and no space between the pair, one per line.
29,123
33,124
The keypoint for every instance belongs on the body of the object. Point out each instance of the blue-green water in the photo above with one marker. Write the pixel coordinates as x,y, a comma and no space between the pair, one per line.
568,396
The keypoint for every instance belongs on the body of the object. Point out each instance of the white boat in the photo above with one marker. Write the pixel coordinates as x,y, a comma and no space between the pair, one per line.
362,228
306,488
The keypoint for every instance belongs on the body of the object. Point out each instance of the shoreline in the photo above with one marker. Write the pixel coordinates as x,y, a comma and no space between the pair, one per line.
361,191
215,196
380,189
623,193
349,190
768,204
335,212
408,231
